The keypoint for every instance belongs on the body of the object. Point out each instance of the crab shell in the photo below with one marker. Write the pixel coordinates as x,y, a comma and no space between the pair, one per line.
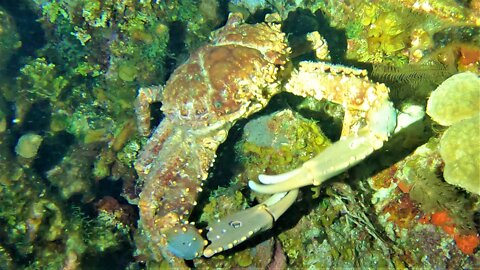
221,82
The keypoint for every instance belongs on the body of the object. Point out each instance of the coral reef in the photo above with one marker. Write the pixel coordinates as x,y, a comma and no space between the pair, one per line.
36,223
427,213
69,74
460,149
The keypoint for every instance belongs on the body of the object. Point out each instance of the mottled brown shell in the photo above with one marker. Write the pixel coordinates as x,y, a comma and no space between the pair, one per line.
224,80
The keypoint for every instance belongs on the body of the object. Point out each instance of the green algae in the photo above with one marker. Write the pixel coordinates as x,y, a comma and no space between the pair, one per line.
41,79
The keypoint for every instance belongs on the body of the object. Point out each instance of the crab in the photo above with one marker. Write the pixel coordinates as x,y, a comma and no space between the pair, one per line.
228,79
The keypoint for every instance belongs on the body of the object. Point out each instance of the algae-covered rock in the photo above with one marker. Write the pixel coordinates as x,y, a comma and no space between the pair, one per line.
460,149
9,38
278,142
457,98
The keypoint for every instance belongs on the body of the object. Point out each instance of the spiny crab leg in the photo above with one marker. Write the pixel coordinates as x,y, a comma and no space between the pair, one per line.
145,97
238,227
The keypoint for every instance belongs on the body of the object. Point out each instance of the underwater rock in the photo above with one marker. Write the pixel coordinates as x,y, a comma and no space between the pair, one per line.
73,174
277,142
9,38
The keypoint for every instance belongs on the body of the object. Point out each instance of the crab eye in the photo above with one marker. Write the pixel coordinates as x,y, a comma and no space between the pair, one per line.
235,224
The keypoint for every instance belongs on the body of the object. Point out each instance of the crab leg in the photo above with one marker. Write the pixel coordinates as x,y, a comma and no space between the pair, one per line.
173,169
238,227
164,210
146,96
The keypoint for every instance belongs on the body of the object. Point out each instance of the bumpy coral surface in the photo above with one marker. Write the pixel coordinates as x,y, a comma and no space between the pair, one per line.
456,102
460,149
457,98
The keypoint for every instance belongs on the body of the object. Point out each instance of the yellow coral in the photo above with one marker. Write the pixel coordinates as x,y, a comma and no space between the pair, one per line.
386,34
457,98
456,102
460,149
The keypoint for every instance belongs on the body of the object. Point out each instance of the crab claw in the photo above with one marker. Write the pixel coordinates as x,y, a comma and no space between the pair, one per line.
238,227
185,242
337,158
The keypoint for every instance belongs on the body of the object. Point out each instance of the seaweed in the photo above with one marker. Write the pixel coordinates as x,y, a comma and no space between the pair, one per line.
435,195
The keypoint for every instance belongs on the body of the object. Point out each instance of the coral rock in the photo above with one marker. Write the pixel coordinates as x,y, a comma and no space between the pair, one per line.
460,149
455,99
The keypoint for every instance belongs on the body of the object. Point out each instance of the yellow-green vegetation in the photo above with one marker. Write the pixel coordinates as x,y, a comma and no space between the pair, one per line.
37,224
41,79
379,33
243,258
222,202
385,32
121,32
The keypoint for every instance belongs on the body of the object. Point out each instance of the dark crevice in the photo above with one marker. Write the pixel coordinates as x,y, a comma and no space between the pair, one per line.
176,46
31,33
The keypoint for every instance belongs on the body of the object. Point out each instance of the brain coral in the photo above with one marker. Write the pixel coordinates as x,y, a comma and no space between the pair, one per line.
457,98
456,103
460,149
